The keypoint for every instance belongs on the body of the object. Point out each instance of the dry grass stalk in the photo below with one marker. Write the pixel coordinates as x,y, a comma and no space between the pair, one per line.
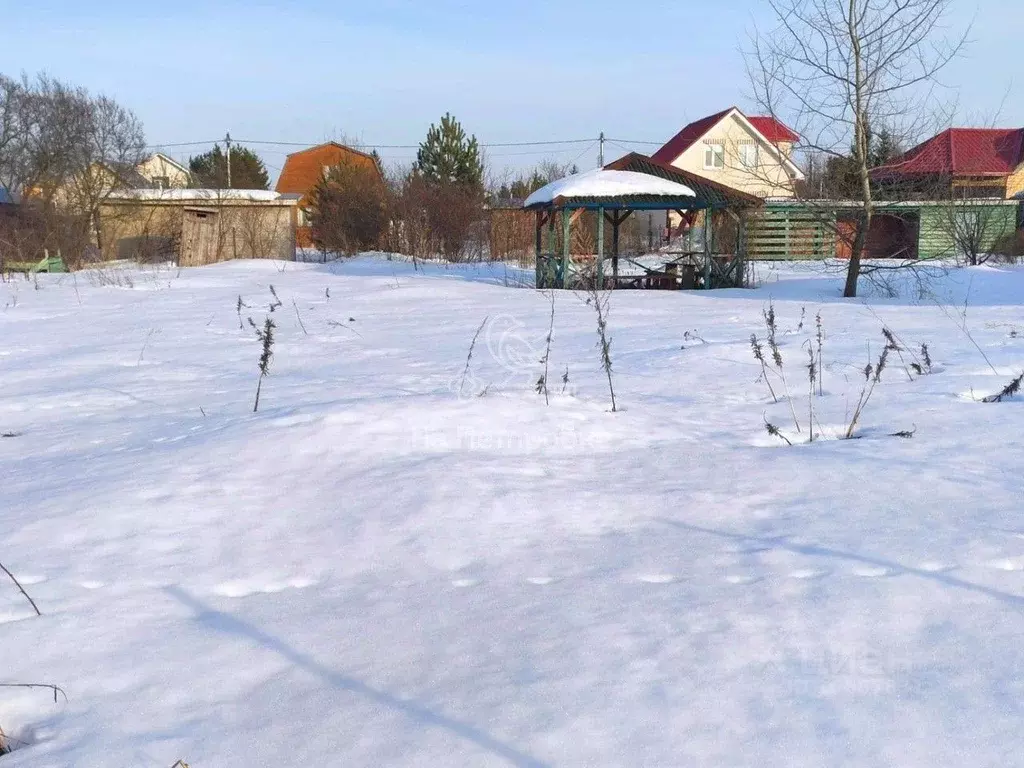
604,343
1008,391
821,342
773,344
872,375
469,356
812,372
21,589
301,324
266,337
774,431
542,382
758,351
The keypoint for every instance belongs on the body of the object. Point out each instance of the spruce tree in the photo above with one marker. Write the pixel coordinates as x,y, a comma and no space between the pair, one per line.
210,169
450,156
885,147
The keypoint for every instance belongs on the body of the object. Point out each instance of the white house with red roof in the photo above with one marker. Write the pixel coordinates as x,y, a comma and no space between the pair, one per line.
752,154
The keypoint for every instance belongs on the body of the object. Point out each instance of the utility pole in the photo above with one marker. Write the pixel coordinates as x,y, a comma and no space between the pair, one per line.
600,151
227,143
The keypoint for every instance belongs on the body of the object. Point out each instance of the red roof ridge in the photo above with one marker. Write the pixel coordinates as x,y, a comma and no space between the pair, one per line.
331,143
964,152
769,124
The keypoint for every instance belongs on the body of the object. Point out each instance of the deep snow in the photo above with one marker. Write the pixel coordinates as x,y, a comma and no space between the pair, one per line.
375,570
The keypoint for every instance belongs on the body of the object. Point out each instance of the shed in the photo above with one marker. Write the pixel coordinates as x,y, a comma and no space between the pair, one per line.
921,229
198,226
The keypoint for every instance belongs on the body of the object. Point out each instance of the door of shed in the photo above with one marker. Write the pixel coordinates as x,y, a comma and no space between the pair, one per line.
199,237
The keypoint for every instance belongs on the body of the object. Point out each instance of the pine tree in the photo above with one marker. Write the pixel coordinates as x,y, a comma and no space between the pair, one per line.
449,156
885,148
210,169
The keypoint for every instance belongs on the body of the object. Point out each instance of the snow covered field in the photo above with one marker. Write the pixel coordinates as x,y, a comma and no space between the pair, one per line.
376,570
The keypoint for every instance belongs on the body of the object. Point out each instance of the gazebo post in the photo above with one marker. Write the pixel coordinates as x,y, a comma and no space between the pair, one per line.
600,248
566,245
615,249
540,229
539,246
551,233
709,246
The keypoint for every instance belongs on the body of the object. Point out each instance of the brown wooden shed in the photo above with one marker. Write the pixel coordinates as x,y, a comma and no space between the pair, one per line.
199,226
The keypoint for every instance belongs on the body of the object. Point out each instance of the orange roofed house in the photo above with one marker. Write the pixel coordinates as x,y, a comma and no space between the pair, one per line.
302,170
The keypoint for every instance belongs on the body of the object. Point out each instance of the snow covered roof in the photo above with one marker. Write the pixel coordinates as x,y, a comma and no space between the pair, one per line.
206,195
601,184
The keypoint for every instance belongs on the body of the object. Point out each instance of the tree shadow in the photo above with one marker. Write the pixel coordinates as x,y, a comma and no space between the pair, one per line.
231,625
779,542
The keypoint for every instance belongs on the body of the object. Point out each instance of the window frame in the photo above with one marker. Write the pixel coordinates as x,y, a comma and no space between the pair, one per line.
746,161
715,151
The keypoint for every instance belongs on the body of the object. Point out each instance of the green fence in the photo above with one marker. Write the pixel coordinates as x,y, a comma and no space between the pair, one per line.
46,264
779,232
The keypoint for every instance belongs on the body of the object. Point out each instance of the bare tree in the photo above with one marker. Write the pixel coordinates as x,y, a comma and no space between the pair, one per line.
13,113
105,159
62,153
977,229
832,69
349,209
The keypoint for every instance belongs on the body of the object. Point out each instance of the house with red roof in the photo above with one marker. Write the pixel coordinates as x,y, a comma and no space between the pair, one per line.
750,154
970,162
302,170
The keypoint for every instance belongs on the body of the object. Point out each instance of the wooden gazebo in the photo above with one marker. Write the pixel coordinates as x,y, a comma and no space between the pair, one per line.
614,193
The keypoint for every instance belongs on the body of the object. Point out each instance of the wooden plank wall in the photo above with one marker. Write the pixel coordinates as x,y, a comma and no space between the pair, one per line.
791,233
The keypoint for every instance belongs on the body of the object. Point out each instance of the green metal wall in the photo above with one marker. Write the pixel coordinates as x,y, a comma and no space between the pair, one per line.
794,231
935,240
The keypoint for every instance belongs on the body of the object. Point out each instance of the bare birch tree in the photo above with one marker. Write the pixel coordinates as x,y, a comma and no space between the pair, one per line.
832,69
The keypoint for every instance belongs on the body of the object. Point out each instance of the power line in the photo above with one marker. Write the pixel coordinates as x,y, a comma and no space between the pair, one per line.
363,145
183,144
647,143
585,151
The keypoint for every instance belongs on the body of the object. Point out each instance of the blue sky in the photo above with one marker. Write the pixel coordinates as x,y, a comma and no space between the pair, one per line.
382,70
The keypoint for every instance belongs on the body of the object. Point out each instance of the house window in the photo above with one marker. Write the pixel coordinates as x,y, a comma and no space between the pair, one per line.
162,182
714,155
748,155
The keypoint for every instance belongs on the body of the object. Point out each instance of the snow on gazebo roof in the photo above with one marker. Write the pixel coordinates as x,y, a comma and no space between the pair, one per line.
600,185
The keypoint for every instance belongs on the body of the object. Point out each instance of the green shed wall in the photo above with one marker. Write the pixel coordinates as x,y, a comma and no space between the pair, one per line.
936,242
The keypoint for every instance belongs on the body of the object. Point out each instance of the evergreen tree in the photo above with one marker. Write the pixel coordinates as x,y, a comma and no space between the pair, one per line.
449,156
210,169
884,148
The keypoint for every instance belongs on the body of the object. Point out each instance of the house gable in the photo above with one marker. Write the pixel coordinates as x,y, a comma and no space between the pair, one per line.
159,170
302,170
743,157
